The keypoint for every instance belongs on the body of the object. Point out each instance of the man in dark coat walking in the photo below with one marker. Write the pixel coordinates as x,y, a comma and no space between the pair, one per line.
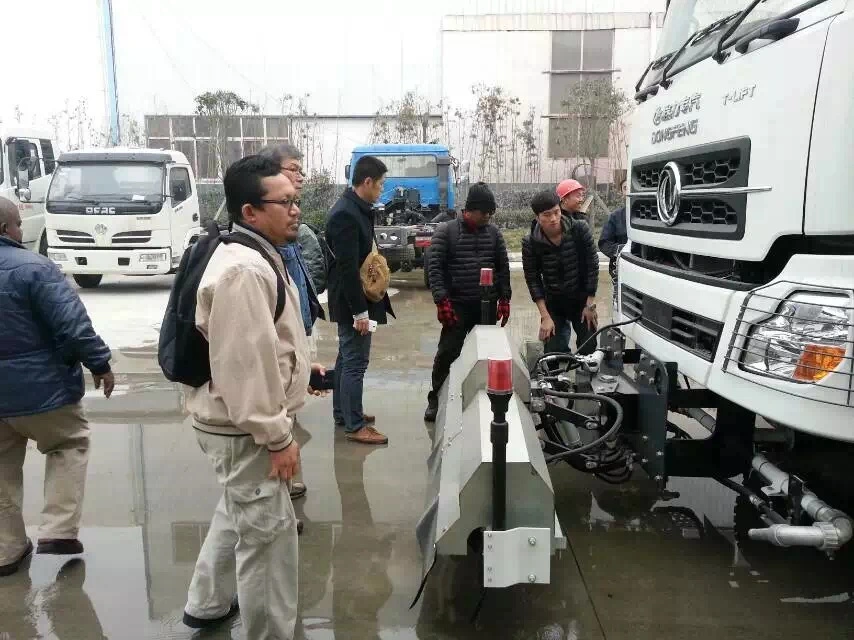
46,337
614,236
350,235
562,273
458,251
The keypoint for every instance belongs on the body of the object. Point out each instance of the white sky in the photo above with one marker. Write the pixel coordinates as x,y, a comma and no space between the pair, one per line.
351,57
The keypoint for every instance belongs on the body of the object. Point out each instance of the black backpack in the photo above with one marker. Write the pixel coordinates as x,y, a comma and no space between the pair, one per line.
182,351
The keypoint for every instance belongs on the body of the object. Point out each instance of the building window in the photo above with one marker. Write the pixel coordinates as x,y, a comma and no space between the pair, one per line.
577,56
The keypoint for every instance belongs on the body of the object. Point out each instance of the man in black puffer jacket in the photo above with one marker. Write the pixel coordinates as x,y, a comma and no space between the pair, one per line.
458,251
562,272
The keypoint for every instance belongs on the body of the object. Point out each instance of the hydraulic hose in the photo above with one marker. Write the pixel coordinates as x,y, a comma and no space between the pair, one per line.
573,357
595,397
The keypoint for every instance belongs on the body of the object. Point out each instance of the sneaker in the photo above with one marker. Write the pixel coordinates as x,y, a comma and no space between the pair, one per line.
60,546
298,490
12,567
205,623
367,435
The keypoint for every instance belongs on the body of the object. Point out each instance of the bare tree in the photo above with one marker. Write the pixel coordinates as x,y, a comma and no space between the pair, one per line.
221,110
405,121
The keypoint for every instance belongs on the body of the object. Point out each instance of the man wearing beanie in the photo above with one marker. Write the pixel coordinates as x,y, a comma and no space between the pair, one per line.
572,195
562,272
459,250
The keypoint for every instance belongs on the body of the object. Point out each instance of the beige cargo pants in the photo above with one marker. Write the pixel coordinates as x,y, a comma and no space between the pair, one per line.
62,436
254,532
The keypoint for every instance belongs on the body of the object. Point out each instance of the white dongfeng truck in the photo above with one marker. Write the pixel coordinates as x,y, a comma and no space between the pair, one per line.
120,211
740,261
731,355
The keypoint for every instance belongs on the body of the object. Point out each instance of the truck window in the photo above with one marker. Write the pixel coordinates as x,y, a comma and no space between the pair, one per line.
405,166
179,185
21,150
47,156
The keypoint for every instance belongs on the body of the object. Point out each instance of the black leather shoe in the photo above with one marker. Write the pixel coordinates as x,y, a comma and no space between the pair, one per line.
12,567
205,623
430,413
60,547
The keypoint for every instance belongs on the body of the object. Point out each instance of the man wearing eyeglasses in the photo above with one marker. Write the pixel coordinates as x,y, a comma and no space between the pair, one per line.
243,418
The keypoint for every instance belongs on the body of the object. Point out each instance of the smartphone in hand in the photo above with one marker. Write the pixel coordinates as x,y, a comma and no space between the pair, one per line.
322,382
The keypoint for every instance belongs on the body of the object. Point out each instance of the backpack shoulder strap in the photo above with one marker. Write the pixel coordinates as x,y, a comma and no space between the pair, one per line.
281,293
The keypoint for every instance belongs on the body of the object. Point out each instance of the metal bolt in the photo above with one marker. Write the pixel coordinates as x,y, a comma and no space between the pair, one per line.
532,578
658,478
489,535
489,569
644,460
532,541
645,438
489,546
489,580
658,454
652,363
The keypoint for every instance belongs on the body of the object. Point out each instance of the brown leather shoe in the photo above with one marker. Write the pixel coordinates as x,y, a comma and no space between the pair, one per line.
298,490
59,546
12,567
367,435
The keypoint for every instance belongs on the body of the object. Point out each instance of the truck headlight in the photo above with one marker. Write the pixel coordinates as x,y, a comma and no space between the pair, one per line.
56,256
803,341
153,257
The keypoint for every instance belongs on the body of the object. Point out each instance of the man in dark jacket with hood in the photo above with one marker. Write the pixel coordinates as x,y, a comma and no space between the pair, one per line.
458,251
350,234
562,273
46,336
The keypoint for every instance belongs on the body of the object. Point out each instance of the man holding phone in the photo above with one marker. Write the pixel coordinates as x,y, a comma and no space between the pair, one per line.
350,235
562,273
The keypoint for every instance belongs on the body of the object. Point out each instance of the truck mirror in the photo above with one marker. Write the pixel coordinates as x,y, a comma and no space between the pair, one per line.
347,172
24,179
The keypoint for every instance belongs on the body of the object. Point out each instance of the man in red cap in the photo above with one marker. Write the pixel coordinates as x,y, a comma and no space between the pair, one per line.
572,195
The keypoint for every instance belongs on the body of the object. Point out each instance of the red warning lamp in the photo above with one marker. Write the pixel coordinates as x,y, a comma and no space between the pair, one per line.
486,278
499,376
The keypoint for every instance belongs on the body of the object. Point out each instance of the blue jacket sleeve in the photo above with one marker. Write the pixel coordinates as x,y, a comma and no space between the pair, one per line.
59,309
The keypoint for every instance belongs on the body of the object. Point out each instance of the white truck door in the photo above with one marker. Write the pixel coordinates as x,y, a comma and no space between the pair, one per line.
185,208
27,152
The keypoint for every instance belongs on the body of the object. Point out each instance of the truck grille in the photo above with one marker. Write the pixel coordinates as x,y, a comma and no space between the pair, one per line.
694,211
132,237
693,333
721,168
75,237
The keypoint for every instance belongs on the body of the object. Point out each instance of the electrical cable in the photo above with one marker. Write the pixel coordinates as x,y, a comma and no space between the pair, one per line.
618,421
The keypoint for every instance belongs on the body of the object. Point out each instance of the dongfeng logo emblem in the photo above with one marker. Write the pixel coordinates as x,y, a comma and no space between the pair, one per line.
100,229
669,194
101,210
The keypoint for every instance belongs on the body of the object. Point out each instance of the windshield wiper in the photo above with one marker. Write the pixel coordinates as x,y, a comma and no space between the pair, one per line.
73,199
723,43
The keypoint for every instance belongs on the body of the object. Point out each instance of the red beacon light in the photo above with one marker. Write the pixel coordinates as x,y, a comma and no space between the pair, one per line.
499,375
486,278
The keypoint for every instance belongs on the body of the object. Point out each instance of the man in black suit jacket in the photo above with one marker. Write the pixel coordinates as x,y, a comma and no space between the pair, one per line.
350,235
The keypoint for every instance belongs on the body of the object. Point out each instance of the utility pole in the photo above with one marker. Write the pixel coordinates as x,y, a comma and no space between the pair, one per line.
112,97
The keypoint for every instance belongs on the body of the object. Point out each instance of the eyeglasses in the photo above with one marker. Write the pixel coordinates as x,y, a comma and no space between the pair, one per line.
296,170
287,202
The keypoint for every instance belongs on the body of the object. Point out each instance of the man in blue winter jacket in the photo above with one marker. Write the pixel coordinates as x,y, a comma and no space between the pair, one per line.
46,337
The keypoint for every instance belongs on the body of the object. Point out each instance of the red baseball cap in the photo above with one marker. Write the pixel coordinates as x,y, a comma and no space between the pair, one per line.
568,186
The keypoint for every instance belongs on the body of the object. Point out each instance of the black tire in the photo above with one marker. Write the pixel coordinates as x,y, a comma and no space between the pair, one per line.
43,245
87,280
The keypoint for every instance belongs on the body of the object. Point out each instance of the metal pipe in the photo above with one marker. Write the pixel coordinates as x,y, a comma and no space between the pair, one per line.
499,432
832,528
706,419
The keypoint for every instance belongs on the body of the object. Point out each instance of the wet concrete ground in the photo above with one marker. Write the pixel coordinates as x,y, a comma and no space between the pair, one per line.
636,567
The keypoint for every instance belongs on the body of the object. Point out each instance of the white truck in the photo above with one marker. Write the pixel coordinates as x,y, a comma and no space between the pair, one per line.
740,261
734,350
33,152
120,211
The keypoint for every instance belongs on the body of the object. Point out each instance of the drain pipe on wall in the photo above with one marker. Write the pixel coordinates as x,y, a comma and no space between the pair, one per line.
832,528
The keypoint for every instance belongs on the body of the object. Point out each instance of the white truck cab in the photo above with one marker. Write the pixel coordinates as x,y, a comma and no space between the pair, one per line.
33,152
120,211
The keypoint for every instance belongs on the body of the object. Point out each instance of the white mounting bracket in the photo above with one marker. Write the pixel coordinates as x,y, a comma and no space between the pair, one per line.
517,556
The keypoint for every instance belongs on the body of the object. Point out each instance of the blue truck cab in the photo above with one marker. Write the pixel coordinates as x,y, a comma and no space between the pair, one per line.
423,168
418,194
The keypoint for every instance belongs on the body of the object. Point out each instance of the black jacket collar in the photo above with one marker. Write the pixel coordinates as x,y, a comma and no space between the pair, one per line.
364,207
538,235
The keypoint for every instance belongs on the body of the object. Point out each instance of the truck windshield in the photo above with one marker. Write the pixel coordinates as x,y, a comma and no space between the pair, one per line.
108,182
406,166
688,17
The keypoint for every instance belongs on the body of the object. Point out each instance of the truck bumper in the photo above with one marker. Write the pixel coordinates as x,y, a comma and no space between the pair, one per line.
824,408
115,261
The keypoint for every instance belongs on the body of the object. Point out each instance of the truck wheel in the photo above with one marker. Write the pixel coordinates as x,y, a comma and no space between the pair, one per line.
88,280
43,245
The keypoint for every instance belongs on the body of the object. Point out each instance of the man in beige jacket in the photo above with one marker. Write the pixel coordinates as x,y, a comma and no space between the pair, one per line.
243,416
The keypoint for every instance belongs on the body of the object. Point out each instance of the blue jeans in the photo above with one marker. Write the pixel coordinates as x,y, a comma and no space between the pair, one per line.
567,319
354,354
